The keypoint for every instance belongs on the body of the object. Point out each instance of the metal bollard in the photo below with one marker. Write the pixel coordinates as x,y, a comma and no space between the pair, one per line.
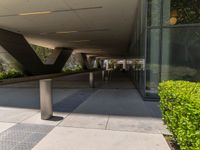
46,104
103,75
109,74
91,79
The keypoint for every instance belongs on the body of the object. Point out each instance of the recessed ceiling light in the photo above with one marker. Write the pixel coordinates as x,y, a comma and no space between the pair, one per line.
35,13
52,11
80,41
43,33
95,30
66,32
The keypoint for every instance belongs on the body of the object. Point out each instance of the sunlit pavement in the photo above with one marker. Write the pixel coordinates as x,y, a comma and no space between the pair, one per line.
112,116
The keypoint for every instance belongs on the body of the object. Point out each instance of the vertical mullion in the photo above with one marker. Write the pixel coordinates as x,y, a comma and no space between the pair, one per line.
161,39
146,5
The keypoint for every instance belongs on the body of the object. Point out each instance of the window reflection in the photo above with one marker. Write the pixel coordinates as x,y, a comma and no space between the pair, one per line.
181,12
181,54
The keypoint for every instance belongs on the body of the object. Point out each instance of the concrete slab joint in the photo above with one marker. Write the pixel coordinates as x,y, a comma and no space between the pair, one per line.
46,104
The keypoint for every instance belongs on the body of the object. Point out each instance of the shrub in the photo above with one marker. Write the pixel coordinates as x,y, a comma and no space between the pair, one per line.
72,69
180,106
10,74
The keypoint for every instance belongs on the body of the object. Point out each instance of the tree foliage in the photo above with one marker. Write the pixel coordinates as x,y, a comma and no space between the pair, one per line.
188,11
42,52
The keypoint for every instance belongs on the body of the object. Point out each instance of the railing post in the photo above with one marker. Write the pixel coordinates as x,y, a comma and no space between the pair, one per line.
46,105
91,79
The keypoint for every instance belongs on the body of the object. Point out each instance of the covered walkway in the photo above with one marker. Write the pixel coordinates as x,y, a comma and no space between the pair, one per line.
110,116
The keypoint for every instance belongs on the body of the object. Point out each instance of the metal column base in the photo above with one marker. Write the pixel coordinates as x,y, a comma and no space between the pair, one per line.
91,80
46,105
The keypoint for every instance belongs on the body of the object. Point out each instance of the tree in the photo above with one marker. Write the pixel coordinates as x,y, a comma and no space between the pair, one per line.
186,11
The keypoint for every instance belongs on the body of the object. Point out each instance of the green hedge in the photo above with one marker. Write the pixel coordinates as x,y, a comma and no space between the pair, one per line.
10,74
180,106
72,69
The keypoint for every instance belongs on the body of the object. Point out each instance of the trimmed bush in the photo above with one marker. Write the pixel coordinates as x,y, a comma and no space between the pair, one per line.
180,106
72,69
10,74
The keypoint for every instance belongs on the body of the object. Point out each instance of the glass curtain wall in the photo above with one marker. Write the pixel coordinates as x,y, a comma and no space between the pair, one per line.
137,47
154,30
173,42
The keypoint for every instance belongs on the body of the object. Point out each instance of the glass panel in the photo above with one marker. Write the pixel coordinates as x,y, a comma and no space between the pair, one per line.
181,12
181,54
154,10
152,61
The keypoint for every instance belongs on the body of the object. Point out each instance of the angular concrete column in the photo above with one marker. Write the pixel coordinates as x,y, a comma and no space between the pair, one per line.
53,57
86,65
46,102
91,79
91,61
98,63
62,58
17,46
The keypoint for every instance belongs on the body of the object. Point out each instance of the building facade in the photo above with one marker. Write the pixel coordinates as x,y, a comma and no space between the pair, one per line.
167,38
164,42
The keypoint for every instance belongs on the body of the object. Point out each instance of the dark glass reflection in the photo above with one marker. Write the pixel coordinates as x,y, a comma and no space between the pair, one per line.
181,54
184,12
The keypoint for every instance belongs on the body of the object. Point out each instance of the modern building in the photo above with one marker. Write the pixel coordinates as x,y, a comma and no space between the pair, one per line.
161,37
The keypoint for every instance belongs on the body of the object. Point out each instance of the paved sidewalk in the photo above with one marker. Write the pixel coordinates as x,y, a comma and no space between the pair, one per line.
111,117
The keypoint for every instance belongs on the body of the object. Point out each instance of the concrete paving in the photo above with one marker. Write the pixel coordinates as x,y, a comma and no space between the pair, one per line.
5,126
111,116
91,139
15,115
54,121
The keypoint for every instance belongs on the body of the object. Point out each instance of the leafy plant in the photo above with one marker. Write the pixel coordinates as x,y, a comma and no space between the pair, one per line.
12,73
187,11
42,52
180,106
76,68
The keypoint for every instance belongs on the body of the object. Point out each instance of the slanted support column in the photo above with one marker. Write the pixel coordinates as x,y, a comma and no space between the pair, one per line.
91,79
98,63
46,104
86,65
19,48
